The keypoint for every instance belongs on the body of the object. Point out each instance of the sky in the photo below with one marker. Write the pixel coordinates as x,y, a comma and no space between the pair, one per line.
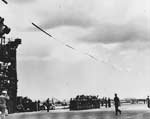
115,32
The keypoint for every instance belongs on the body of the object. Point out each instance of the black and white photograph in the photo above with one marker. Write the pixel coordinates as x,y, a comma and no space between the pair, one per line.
74,59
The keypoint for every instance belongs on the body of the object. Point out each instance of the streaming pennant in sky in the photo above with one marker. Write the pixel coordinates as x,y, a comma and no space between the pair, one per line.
5,1
71,47
67,45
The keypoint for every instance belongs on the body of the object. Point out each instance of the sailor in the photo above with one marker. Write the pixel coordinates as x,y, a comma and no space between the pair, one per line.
148,102
48,104
109,102
117,104
3,99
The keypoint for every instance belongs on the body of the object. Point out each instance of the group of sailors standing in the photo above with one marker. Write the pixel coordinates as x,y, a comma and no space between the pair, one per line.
105,102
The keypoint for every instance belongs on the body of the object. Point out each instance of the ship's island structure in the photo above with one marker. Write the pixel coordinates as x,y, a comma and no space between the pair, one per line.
8,65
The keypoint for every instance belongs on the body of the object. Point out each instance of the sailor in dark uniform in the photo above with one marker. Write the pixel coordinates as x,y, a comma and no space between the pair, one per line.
117,104
148,102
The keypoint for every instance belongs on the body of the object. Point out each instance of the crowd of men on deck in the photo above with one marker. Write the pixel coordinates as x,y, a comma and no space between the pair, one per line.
81,102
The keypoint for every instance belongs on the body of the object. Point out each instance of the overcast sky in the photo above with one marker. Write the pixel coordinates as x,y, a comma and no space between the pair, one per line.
116,32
